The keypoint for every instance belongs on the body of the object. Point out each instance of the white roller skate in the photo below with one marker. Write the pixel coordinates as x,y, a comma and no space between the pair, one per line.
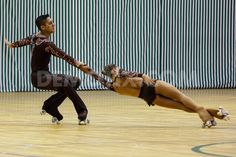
84,122
55,120
43,112
223,113
209,123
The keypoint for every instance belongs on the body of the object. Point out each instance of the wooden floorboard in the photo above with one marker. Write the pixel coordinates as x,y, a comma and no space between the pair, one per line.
120,126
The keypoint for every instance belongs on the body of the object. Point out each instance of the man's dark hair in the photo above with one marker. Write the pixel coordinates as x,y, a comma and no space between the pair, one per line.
41,20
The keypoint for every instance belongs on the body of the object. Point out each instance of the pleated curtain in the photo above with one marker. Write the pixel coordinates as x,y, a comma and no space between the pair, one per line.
188,43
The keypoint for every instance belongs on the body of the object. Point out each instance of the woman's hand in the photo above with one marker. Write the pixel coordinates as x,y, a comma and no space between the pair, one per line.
147,80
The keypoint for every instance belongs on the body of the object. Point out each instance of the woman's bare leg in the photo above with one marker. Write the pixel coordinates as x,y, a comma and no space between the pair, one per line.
173,93
214,112
220,113
168,103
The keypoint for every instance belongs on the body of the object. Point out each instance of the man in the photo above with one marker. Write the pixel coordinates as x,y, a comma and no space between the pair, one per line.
157,92
43,79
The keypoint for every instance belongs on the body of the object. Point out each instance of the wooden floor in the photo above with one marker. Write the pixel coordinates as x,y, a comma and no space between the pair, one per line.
120,127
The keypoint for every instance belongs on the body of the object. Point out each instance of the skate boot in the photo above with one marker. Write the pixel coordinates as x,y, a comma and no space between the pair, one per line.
43,112
209,123
55,120
84,122
223,113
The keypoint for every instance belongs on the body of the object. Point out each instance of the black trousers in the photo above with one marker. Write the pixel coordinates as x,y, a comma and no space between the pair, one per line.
65,86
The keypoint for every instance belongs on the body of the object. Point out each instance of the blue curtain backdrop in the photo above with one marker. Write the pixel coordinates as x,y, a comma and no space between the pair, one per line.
188,43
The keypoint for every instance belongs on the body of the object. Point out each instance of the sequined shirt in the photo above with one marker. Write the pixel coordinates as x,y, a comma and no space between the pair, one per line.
42,51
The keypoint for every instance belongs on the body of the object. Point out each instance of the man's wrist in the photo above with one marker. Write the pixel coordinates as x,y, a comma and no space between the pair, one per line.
79,64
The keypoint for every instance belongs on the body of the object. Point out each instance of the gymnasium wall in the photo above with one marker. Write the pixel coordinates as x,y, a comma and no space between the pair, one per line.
188,43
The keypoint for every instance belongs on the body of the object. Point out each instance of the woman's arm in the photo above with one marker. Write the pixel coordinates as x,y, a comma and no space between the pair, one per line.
86,69
146,78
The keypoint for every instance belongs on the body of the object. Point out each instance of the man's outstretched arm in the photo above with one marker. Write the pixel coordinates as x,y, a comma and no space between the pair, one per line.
51,48
86,69
19,43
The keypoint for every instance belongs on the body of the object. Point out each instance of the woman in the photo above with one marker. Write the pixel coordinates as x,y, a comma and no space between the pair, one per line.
157,92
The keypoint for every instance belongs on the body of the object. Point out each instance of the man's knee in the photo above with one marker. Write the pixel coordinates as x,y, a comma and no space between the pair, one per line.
41,79
78,83
75,82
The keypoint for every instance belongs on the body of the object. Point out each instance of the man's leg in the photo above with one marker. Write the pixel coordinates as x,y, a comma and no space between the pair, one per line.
52,103
45,80
72,83
65,85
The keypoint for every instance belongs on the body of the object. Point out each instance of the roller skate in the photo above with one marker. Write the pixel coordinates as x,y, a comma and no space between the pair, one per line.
55,120
43,112
84,122
209,123
225,114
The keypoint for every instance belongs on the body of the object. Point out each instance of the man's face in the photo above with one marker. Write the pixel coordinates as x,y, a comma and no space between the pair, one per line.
48,26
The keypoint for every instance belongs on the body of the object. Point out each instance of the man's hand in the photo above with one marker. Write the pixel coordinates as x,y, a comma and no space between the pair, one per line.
86,69
78,64
83,67
10,45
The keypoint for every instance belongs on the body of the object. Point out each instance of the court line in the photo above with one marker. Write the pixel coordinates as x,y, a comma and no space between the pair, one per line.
197,149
